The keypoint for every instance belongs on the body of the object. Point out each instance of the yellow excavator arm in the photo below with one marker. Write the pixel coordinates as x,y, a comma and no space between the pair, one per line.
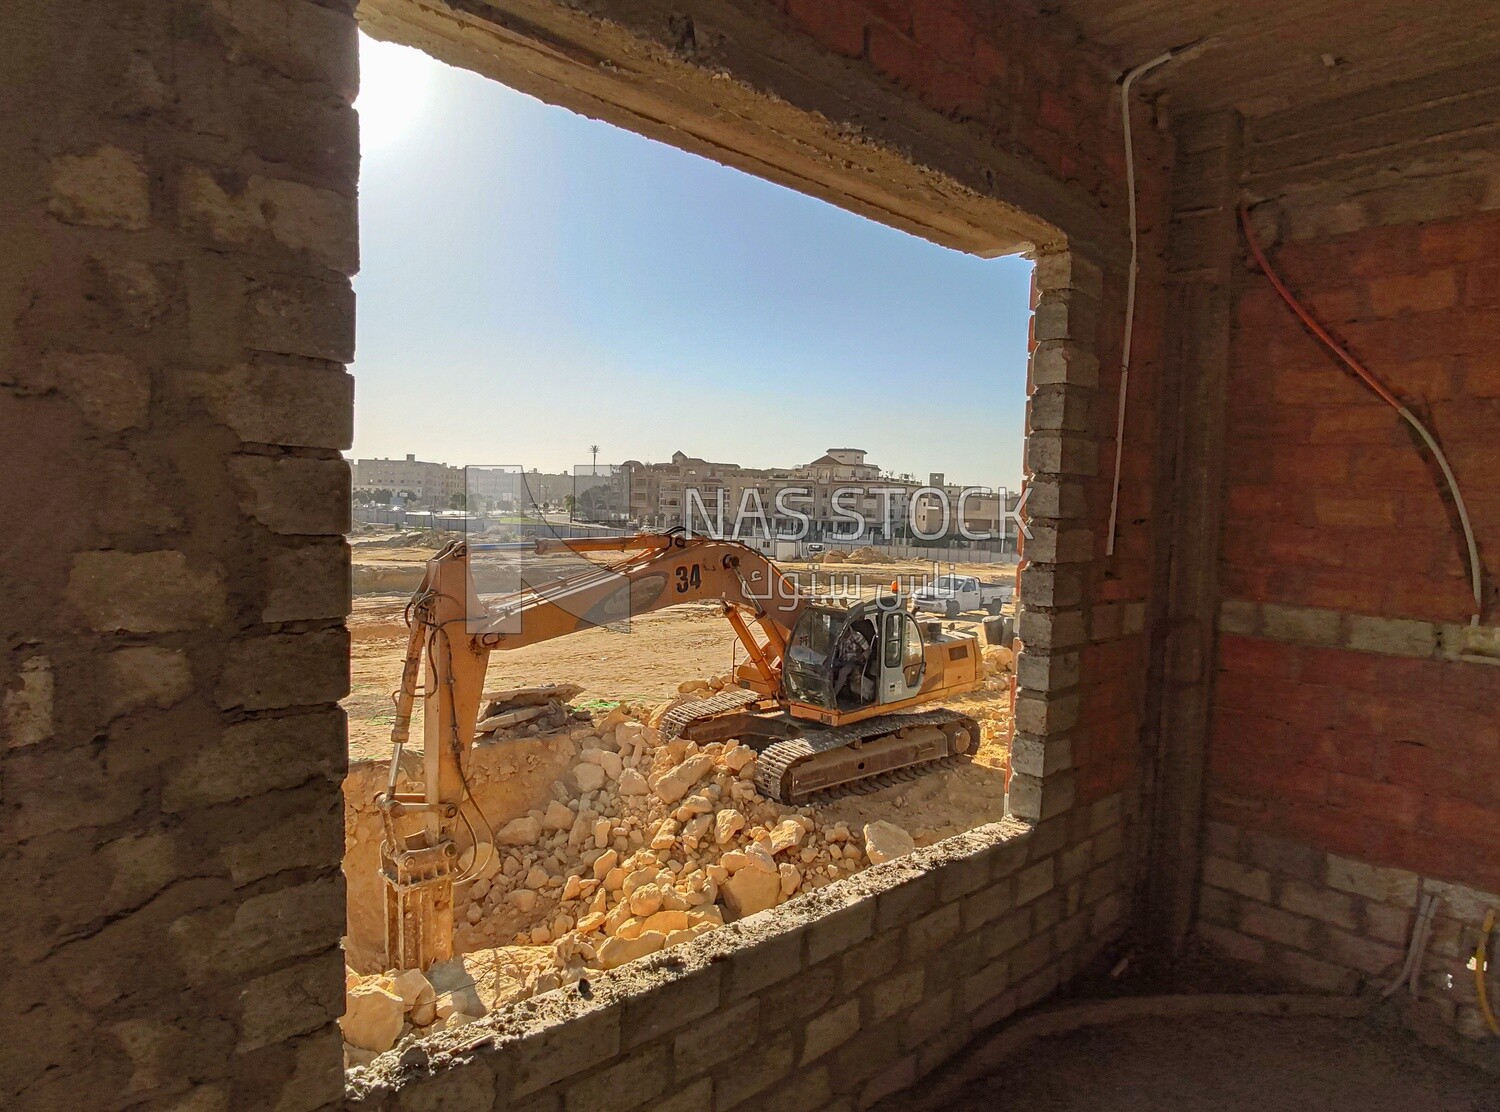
452,634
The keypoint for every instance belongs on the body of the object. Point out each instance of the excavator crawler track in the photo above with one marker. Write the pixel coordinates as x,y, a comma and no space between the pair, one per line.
885,749
682,716
884,780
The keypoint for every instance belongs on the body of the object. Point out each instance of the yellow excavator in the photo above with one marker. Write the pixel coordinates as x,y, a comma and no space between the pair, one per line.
829,694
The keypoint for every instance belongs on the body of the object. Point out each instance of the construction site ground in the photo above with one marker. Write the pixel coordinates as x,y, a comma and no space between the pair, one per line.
648,662
563,901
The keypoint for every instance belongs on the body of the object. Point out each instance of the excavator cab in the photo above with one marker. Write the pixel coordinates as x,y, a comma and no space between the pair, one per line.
845,660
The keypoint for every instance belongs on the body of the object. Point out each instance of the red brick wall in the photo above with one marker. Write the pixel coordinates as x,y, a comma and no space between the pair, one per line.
1385,759
1329,503
1388,759
1037,91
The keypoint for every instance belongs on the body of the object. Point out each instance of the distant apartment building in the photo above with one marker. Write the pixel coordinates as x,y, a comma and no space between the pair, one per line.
414,480
840,494
430,485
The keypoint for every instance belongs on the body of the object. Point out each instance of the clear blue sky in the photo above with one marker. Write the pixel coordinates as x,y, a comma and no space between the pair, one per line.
534,282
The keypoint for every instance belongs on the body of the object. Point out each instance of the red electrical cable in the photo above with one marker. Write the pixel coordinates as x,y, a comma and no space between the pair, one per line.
1381,390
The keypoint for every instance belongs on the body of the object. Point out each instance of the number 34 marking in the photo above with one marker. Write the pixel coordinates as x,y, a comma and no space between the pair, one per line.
688,577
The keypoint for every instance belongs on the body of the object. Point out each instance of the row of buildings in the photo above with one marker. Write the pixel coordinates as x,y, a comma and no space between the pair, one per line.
421,484
839,494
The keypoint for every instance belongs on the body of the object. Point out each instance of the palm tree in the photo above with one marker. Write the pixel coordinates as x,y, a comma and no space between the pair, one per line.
594,449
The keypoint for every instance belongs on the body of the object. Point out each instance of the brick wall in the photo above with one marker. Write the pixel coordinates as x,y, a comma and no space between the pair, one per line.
178,208
1344,719
1336,923
1389,759
175,313
1026,81
1330,505
833,1000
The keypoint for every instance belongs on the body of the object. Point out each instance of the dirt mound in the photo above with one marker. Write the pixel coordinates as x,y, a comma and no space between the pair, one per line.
420,538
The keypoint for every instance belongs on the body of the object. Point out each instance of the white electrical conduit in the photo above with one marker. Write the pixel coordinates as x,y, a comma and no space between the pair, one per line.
1421,932
1384,393
1125,83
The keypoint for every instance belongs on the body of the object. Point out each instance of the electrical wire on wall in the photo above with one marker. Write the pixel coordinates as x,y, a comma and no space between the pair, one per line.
1384,393
1130,279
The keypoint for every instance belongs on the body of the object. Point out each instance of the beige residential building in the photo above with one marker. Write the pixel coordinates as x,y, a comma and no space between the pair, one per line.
839,493
428,484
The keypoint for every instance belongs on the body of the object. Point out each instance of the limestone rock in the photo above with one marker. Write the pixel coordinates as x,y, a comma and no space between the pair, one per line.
590,777
676,938
373,1015
676,782
559,816
751,890
788,834
633,783
645,900
524,831
999,658
667,921
488,857
666,835
695,829
737,758
417,994
604,863
608,761
617,951
885,841
695,804
524,899
727,823
791,878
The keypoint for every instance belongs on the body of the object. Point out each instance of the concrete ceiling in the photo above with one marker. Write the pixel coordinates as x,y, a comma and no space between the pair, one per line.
1272,54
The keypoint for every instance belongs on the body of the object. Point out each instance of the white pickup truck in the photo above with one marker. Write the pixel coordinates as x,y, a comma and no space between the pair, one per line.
952,595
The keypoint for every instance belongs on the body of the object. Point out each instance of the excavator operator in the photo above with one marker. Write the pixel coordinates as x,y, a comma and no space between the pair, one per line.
851,655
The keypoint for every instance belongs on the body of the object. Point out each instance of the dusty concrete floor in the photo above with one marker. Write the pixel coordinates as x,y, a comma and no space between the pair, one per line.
1227,1063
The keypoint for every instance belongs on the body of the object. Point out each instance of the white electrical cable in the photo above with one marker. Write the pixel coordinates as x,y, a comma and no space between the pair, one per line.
1421,933
1476,581
1114,497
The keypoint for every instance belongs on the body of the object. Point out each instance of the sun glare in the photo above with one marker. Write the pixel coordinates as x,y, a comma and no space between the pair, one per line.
394,85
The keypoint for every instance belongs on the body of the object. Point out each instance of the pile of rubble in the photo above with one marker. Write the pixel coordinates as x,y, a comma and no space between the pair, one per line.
643,846
865,554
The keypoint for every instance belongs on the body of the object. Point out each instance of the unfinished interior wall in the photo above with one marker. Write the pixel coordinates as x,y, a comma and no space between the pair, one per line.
1353,757
178,213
